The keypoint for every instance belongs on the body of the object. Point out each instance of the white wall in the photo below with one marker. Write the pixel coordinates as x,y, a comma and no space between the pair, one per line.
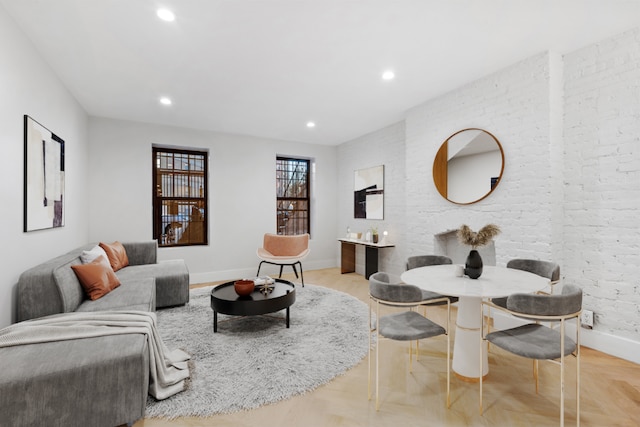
383,147
28,86
241,194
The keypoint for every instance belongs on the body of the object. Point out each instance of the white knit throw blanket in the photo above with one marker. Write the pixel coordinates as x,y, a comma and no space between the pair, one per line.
167,370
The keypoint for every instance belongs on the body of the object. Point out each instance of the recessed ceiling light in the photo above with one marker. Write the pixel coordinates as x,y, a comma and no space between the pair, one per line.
388,75
166,15
165,101
311,124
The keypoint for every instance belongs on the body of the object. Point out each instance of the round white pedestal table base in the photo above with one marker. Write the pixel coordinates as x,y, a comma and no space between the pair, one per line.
466,348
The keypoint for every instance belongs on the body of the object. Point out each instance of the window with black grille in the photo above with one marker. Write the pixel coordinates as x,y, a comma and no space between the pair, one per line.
179,196
292,190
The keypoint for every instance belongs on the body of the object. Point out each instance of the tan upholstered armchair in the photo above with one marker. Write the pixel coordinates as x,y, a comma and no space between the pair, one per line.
284,250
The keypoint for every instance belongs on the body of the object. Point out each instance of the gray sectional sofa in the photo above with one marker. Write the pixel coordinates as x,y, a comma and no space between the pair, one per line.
99,381
52,287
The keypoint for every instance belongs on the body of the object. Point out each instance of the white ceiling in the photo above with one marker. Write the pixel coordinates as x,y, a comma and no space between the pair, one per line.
266,67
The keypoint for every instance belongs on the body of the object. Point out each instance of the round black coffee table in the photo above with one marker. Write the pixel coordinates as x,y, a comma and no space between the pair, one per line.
225,300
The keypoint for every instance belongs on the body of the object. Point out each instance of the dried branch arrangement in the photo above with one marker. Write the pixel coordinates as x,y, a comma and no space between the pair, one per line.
481,238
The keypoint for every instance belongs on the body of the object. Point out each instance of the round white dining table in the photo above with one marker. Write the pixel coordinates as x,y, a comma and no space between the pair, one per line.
494,282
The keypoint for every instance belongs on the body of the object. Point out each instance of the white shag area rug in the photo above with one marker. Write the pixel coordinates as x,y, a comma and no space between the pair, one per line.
256,360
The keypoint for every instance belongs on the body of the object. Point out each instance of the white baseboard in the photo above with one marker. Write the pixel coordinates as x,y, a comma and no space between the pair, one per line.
613,345
621,347
267,270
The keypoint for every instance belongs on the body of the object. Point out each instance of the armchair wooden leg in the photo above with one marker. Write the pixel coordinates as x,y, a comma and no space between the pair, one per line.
259,266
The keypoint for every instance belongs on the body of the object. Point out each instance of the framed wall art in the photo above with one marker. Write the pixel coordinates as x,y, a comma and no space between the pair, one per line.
368,194
43,177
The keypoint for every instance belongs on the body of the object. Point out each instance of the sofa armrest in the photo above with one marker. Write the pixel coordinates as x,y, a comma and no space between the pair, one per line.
140,253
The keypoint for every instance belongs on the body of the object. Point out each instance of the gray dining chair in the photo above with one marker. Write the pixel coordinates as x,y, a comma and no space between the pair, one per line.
540,341
547,269
405,325
417,261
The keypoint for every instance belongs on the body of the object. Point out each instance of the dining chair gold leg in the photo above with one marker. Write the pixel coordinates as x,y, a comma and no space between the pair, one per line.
578,371
481,359
562,373
410,356
535,373
377,353
448,358
488,327
417,350
369,370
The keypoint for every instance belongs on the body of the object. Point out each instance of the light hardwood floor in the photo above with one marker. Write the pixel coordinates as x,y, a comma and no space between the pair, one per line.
610,391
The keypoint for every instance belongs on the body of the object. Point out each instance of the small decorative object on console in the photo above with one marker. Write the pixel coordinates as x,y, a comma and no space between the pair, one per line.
244,287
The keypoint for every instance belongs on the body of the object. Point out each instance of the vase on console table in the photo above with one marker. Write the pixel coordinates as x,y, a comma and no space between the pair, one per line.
473,266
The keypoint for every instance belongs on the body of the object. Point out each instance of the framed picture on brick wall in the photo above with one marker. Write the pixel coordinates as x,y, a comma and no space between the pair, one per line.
43,177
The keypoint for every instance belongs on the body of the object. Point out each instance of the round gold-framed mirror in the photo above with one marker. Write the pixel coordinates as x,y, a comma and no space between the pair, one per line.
468,166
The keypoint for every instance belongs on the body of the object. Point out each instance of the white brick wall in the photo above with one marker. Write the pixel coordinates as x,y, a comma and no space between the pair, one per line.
602,180
570,192
514,105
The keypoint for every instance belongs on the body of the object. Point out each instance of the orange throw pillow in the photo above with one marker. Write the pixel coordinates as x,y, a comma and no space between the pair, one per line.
116,254
97,278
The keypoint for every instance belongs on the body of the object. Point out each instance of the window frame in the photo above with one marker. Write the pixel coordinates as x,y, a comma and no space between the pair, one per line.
281,211
157,200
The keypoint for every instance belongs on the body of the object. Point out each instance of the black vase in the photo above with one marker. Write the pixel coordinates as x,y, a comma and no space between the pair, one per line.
473,266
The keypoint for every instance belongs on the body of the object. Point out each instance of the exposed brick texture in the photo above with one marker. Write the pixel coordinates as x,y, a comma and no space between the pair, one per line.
602,180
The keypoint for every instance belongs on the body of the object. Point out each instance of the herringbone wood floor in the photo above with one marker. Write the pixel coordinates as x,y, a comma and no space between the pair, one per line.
610,388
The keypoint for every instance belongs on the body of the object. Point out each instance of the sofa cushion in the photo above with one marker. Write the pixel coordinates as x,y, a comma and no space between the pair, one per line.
143,252
69,287
90,255
96,277
132,295
117,255
172,280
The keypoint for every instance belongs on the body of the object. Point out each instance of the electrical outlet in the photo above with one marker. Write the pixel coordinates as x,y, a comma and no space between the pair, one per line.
586,320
